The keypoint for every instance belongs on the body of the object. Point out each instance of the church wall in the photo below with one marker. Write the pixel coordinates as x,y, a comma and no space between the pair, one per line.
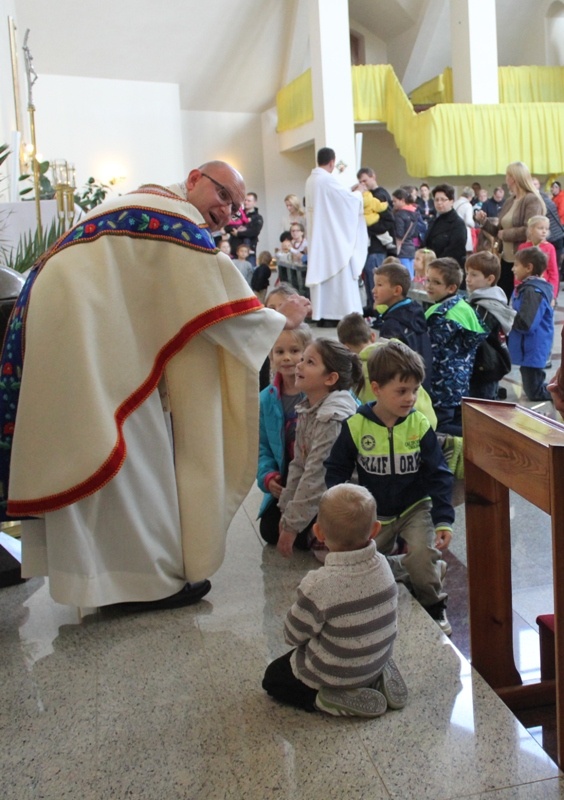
229,136
7,113
111,128
284,173
7,105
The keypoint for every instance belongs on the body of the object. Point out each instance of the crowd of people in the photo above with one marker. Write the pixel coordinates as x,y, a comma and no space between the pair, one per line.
409,365
126,525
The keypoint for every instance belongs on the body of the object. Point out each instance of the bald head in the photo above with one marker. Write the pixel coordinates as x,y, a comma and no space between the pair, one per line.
217,190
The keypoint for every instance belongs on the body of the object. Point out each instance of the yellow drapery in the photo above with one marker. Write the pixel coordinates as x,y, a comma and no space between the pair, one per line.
294,103
448,139
516,85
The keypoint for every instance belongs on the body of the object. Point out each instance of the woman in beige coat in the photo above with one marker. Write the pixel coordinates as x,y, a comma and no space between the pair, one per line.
523,203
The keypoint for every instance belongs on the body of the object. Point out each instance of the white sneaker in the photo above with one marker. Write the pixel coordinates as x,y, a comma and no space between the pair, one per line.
351,702
443,623
392,685
443,566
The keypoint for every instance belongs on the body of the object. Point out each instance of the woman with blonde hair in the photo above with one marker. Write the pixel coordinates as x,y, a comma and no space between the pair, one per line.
523,202
296,212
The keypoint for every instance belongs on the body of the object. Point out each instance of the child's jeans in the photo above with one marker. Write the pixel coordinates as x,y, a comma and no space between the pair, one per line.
484,390
534,383
269,528
419,565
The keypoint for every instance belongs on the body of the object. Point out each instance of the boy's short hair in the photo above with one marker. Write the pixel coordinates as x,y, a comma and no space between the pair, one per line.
395,360
450,270
446,189
533,256
286,236
485,262
397,274
239,246
283,289
354,330
391,260
346,515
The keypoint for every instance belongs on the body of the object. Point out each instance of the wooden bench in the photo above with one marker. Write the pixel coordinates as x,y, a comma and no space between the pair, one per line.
509,447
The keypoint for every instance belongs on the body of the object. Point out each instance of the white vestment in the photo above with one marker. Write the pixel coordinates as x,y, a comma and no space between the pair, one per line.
128,336
337,246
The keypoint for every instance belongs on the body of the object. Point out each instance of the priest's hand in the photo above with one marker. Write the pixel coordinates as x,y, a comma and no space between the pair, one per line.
295,308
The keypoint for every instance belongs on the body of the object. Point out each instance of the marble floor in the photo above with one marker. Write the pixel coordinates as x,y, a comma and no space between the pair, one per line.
168,705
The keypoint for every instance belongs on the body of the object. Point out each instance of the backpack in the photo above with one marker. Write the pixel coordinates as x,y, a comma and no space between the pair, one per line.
492,360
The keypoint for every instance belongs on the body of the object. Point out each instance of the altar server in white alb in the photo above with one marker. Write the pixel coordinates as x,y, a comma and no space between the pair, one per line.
134,434
337,239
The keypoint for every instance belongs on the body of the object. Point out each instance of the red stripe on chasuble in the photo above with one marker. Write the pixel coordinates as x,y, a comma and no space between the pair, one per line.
112,465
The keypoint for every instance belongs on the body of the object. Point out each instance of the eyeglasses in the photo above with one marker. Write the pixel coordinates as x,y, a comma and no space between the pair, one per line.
225,196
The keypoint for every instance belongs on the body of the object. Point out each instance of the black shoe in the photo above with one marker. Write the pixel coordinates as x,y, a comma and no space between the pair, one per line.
189,594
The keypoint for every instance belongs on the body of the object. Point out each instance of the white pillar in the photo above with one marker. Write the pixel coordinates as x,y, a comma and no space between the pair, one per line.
474,51
333,122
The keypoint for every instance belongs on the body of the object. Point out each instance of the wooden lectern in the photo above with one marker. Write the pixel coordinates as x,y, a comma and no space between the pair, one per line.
510,447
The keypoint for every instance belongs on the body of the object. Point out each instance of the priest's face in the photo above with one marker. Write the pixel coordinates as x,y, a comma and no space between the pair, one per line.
217,190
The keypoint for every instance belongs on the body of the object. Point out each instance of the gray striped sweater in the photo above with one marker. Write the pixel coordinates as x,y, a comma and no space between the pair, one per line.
344,622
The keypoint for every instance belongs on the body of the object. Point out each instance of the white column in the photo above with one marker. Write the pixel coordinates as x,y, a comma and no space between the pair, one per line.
474,51
333,123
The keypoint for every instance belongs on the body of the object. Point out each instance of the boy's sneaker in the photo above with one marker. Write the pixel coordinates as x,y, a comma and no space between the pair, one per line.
438,612
351,702
452,451
443,566
443,623
392,685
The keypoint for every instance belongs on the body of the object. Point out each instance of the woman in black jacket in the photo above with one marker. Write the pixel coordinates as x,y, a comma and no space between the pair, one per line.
447,232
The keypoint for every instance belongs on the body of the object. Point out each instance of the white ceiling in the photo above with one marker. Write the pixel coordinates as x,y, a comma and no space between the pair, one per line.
224,55
228,56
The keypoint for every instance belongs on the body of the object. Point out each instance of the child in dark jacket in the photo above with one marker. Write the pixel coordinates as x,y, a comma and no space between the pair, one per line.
260,279
489,302
399,317
455,333
530,340
398,459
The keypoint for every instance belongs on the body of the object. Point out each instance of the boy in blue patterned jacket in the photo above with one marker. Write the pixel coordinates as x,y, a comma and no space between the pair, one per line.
455,333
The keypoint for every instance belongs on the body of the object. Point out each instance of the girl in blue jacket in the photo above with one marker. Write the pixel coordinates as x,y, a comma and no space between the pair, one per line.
278,419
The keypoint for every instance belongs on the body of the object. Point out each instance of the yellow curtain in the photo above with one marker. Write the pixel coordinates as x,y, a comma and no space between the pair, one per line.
294,103
448,139
516,85
531,84
437,90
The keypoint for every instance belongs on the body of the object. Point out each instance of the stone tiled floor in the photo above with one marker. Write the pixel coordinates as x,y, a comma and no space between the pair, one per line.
169,705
